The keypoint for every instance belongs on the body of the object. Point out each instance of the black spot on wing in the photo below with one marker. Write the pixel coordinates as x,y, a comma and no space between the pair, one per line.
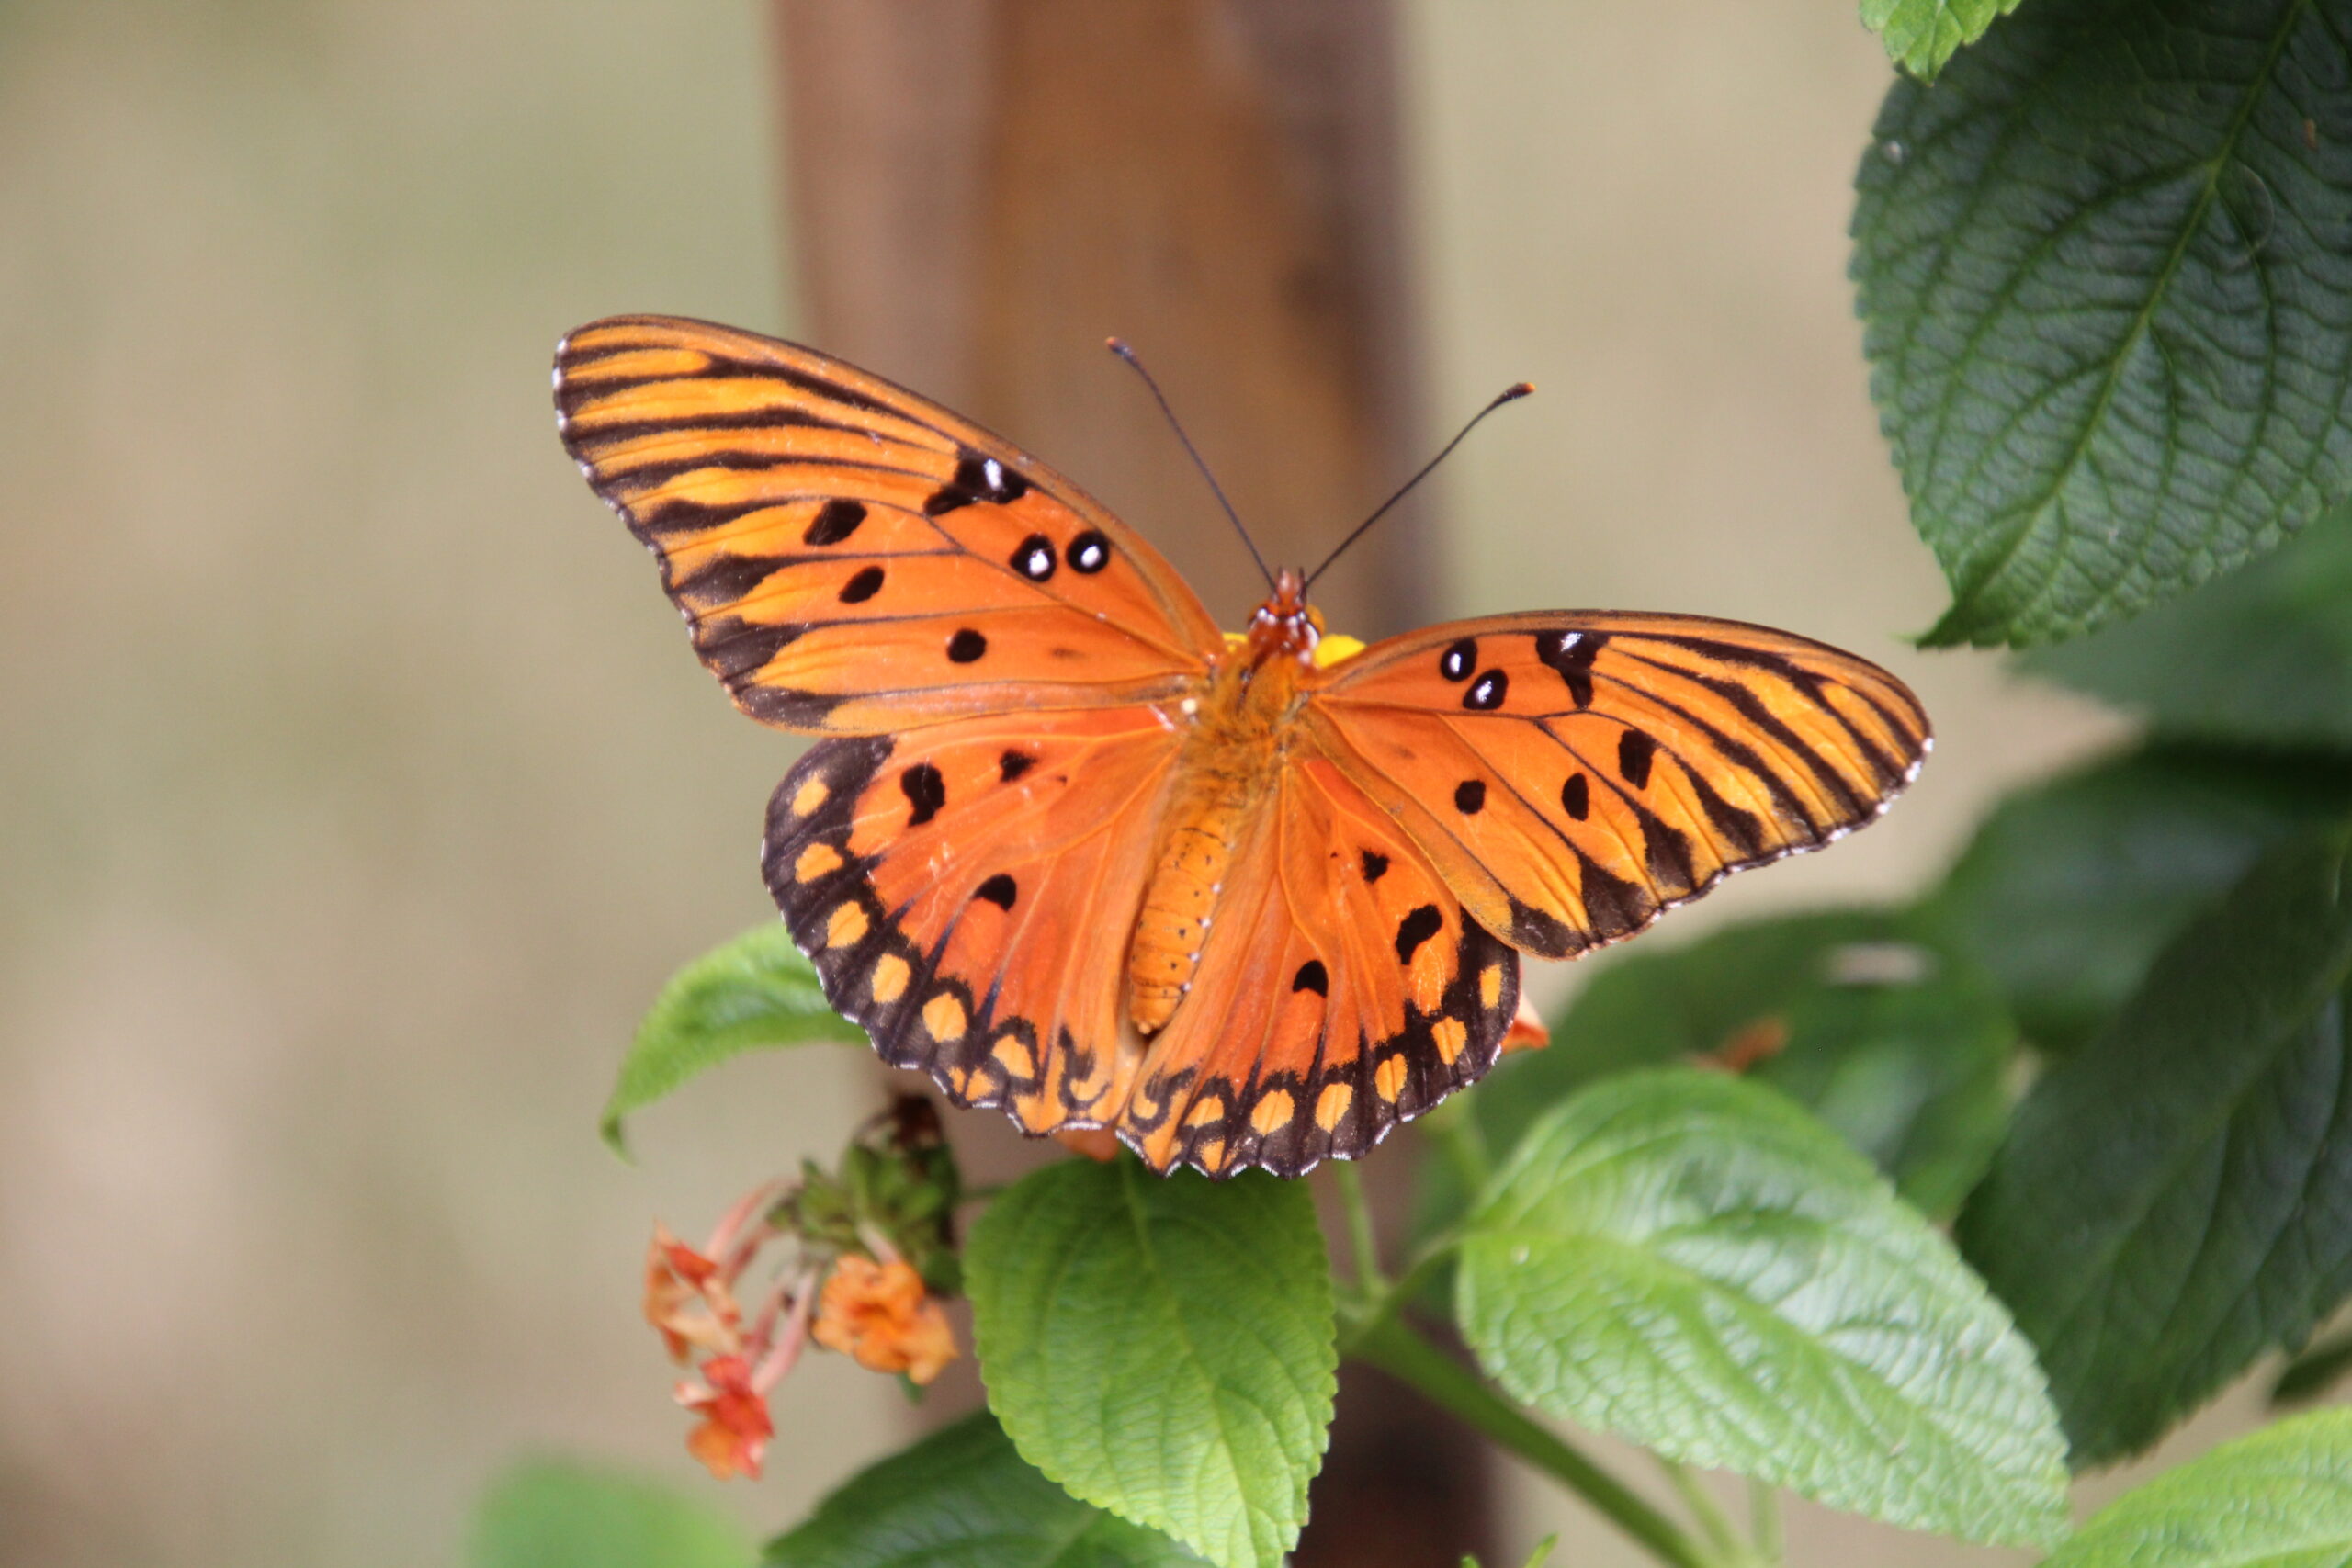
1312,977
965,645
1571,654
1013,764
1458,659
1033,558
926,792
1635,751
1414,929
977,479
1089,552
835,521
1575,796
864,585
1375,865
1470,796
999,890
1486,692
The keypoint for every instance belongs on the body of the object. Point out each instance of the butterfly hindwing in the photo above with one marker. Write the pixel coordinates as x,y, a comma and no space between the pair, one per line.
1572,774
1340,991
967,891
851,558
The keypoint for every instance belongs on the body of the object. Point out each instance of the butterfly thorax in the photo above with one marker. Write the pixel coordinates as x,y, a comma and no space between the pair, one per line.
1229,768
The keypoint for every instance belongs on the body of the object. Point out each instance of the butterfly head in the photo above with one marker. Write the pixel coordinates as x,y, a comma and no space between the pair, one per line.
1285,625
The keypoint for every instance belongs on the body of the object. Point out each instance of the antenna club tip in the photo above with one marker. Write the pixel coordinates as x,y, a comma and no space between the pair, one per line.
1119,346
1517,391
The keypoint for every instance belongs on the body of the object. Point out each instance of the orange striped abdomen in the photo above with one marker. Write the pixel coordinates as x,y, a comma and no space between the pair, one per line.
1178,904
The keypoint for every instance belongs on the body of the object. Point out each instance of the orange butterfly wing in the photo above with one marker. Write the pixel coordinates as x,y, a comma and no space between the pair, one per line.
984,642
853,559
1340,991
967,891
1573,774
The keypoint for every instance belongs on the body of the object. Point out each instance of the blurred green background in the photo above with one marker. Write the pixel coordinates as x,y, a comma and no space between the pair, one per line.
359,789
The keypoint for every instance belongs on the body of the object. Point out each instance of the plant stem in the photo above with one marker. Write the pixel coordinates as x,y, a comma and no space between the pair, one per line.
1361,1240
1712,1521
1764,1521
1396,1350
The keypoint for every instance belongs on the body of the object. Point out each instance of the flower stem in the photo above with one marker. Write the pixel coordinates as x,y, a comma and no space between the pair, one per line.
1712,1519
1764,1520
1361,1240
1396,1350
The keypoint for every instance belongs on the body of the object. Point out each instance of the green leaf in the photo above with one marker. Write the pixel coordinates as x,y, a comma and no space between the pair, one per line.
2260,657
1697,1264
2315,1372
754,993
2103,265
2170,1202
963,1496
1900,1047
1163,1347
2280,1498
1920,34
2070,888
553,1514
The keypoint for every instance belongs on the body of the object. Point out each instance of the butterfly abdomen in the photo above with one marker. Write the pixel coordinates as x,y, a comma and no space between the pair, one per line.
1179,903
1231,763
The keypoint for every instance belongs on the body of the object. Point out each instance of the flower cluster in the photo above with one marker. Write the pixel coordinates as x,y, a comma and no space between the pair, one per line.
874,1253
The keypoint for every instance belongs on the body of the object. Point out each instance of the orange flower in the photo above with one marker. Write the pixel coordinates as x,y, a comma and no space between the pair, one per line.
1750,1046
735,1429
879,1314
1095,1143
687,1297
1526,1032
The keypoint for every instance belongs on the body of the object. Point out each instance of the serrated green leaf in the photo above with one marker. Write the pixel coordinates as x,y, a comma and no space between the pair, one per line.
555,1514
2315,1372
2261,657
2280,1498
2070,888
2170,1202
1920,34
2103,265
964,1496
755,993
1697,1264
1899,1046
1163,1347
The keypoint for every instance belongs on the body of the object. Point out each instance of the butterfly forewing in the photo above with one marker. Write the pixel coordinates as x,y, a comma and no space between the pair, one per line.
1572,774
854,560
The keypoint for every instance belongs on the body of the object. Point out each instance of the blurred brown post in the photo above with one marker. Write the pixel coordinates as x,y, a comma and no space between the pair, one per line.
982,191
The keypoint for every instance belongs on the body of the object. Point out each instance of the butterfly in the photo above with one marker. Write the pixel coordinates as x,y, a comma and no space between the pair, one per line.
1246,900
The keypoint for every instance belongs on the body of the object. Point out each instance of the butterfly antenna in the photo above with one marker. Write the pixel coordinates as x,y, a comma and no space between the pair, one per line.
1120,348
1508,395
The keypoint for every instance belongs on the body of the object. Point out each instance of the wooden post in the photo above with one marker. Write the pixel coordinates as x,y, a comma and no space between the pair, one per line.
982,191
